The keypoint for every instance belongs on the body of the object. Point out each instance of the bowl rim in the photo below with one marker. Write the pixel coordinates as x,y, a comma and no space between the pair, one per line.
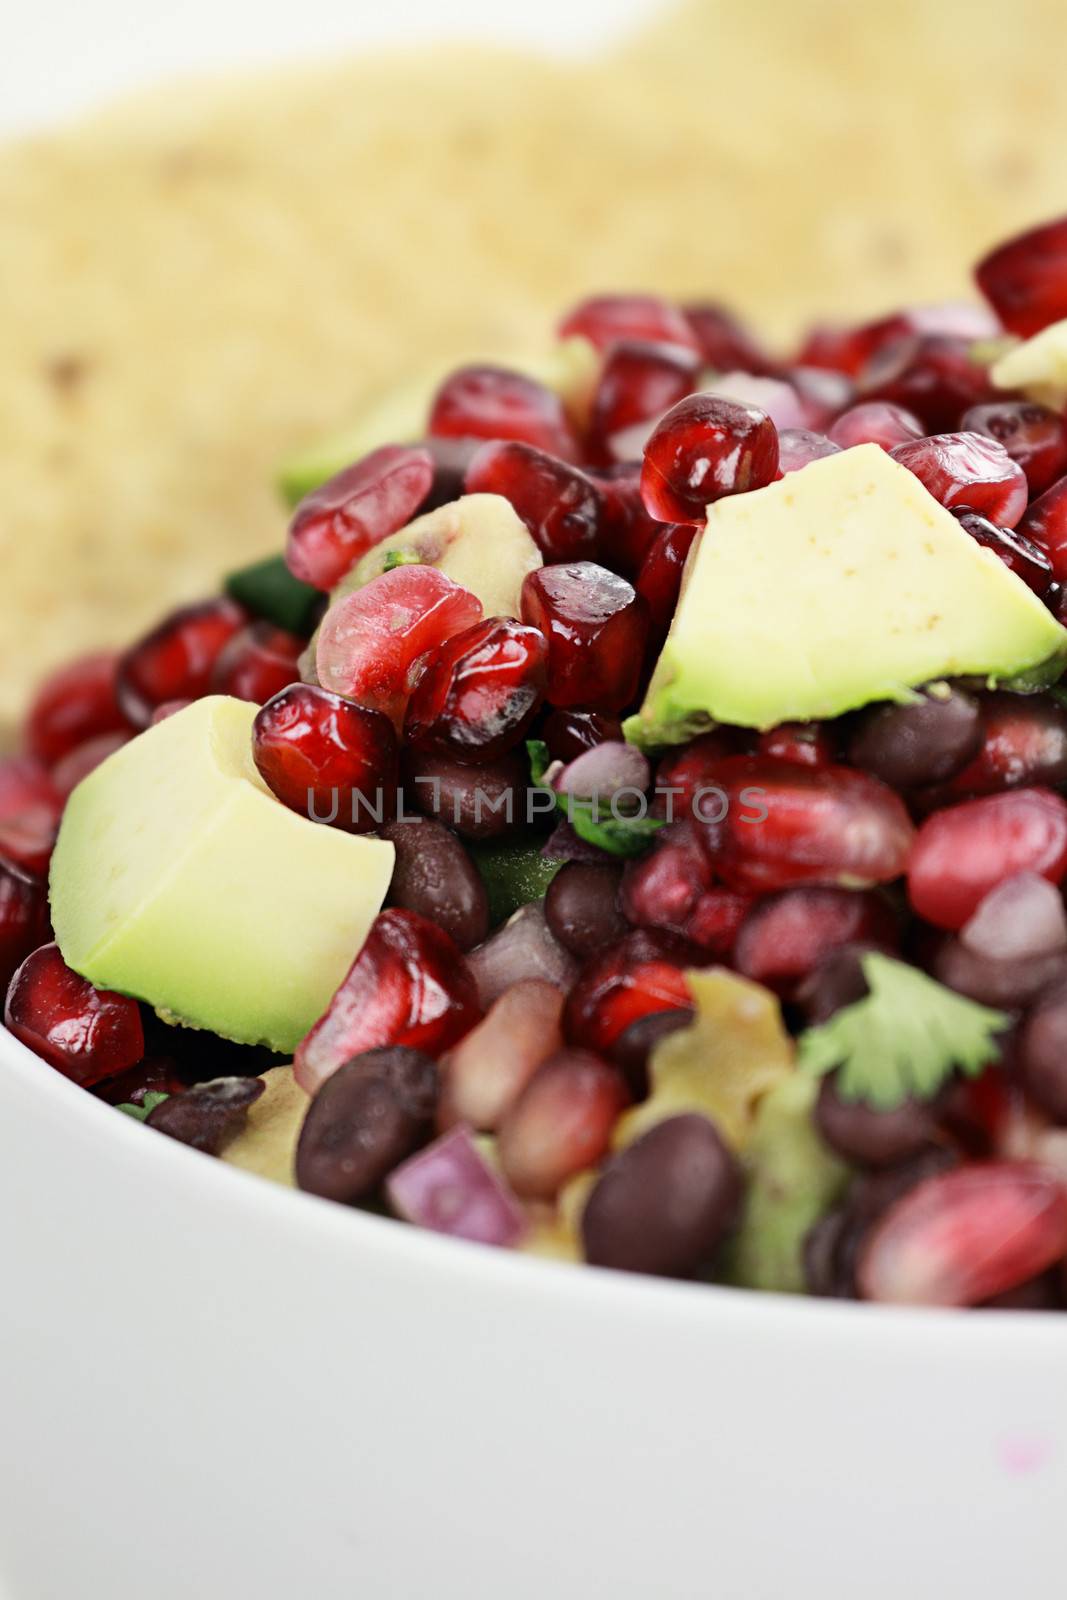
310,1220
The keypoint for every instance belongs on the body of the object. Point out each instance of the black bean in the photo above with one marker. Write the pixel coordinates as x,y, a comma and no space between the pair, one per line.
483,802
582,907
873,1138
665,1203
836,982
366,1118
925,742
1042,1054
822,1247
209,1114
568,733
435,876
635,1044
996,983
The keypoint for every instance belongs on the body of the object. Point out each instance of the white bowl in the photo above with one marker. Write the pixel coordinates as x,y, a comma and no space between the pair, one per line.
212,1387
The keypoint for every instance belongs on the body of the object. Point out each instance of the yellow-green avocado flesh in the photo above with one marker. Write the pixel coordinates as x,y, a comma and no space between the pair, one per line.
839,585
180,879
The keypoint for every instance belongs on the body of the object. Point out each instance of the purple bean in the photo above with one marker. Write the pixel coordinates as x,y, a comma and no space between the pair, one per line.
435,876
367,1117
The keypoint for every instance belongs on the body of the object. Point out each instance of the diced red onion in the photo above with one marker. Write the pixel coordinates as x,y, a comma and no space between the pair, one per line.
1021,919
523,948
451,1188
599,773
778,399
798,447
563,844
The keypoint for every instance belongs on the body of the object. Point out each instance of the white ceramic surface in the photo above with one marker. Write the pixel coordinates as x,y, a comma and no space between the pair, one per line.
214,1388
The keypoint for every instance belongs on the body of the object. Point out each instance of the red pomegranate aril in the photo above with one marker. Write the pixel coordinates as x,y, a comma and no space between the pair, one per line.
87,1034
799,447
784,825
75,704
638,382
1044,524
849,350
568,733
1018,553
785,936
704,448
561,1124
23,919
326,758
684,773
476,695
1023,745
1034,437
371,639
605,319
560,504
932,376
408,985
1025,279
175,661
488,1070
804,744
961,853
642,973
725,343
662,889
595,626
78,763
660,579
716,919
875,422
627,532
30,809
495,403
967,469
966,1235
169,708
257,663
335,524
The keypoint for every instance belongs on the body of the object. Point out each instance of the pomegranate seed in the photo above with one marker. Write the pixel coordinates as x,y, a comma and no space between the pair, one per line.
638,383
1020,554
257,663
477,694
704,448
1024,744
370,640
409,985
724,343
175,661
78,763
169,708
1025,280
965,1236
488,1070
1034,437
493,403
715,920
799,447
930,375
642,973
660,578
559,504
1044,524
561,1124
875,422
683,773
960,854
86,1033
568,733
850,349
805,744
23,919
785,936
595,626
967,469
152,1075
627,531
335,524
662,889
605,319
823,396
785,825
326,758
75,704
30,808
844,350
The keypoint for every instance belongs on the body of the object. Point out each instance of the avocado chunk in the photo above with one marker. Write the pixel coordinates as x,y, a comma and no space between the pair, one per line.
839,585
178,878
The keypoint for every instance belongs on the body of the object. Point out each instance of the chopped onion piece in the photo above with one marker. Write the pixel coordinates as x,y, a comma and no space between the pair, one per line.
451,1188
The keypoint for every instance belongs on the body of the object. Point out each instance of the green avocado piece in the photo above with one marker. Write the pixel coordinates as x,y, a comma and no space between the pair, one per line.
269,590
793,1179
180,879
513,874
837,586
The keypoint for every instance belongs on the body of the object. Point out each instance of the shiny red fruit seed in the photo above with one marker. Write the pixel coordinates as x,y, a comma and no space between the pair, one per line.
704,448
1024,745
605,319
30,809
85,758
87,1034
559,503
1019,554
326,758
799,447
660,579
960,854
561,1124
568,733
786,935
257,663
932,376
409,985
875,422
645,972
1044,523
175,661
76,703
725,344
805,744
627,532
335,524
1025,280
23,919
1034,437
638,383
595,626
495,403
968,469
662,889
477,694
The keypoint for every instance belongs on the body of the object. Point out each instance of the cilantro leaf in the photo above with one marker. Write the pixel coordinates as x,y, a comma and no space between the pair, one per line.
401,558
616,836
904,1038
151,1100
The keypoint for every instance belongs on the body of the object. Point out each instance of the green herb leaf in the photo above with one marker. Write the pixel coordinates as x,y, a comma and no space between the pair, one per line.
401,558
269,590
904,1038
151,1100
616,836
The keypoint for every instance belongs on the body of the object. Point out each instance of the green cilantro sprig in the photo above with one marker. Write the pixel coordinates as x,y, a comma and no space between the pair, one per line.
905,1038
617,836
151,1100
401,558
